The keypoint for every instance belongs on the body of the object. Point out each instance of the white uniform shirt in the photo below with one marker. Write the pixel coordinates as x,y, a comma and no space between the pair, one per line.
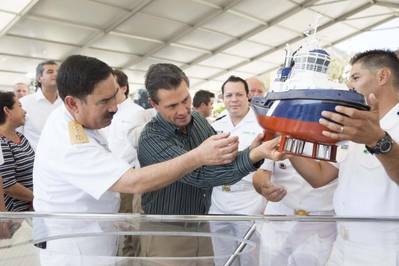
364,188
37,108
300,194
242,197
120,140
74,177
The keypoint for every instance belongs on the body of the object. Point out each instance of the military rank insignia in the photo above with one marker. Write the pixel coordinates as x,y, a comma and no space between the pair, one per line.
77,134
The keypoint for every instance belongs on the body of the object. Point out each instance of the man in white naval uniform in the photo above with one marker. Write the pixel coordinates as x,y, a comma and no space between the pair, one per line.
74,171
240,198
368,177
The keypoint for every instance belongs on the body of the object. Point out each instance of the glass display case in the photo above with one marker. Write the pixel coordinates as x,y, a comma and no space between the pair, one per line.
94,239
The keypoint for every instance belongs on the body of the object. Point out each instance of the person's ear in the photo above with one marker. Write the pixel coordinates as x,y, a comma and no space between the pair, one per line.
123,89
383,75
6,110
71,104
154,104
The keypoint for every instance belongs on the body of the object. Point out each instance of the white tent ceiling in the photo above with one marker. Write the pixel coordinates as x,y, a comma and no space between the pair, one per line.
209,39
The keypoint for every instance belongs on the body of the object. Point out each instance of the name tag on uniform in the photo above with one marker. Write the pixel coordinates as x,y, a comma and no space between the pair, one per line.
77,134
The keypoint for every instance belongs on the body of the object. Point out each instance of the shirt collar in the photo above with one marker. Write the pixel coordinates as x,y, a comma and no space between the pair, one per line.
123,104
391,118
39,96
248,118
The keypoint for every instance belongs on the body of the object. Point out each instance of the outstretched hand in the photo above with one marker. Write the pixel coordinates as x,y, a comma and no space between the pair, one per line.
266,150
218,149
352,124
271,149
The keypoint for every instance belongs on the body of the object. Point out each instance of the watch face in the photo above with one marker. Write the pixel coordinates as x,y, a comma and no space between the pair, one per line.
383,146
386,146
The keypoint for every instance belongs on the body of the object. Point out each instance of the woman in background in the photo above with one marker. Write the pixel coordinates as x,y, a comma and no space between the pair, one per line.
18,155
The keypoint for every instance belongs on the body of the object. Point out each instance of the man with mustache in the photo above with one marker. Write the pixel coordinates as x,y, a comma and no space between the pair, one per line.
74,171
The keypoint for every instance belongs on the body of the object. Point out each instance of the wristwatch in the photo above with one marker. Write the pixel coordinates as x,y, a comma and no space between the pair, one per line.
383,146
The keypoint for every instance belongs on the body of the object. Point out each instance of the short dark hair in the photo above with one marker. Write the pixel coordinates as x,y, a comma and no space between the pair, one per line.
40,69
236,79
122,80
7,99
375,59
163,76
202,96
78,75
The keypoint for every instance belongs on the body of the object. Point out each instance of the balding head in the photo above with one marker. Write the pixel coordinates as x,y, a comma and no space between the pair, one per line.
21,89
256,87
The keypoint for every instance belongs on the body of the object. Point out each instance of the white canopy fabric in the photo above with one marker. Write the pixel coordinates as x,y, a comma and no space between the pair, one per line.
209,39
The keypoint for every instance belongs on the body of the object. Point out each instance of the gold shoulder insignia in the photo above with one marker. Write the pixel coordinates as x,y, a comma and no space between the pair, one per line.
77,134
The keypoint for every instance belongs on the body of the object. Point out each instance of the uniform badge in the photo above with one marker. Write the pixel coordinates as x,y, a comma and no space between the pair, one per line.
77,134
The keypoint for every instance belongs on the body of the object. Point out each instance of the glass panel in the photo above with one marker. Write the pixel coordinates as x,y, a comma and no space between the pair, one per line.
71,239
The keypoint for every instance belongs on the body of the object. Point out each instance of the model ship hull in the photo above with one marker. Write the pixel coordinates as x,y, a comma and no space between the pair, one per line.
297,113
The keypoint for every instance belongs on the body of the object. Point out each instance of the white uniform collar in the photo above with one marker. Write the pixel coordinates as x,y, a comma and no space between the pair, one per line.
248,118
391,118
39,96
125,102
67,113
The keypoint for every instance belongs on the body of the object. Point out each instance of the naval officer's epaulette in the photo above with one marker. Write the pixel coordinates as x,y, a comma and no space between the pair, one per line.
219,118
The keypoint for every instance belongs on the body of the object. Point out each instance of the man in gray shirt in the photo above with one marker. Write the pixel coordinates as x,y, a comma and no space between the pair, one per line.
175,131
